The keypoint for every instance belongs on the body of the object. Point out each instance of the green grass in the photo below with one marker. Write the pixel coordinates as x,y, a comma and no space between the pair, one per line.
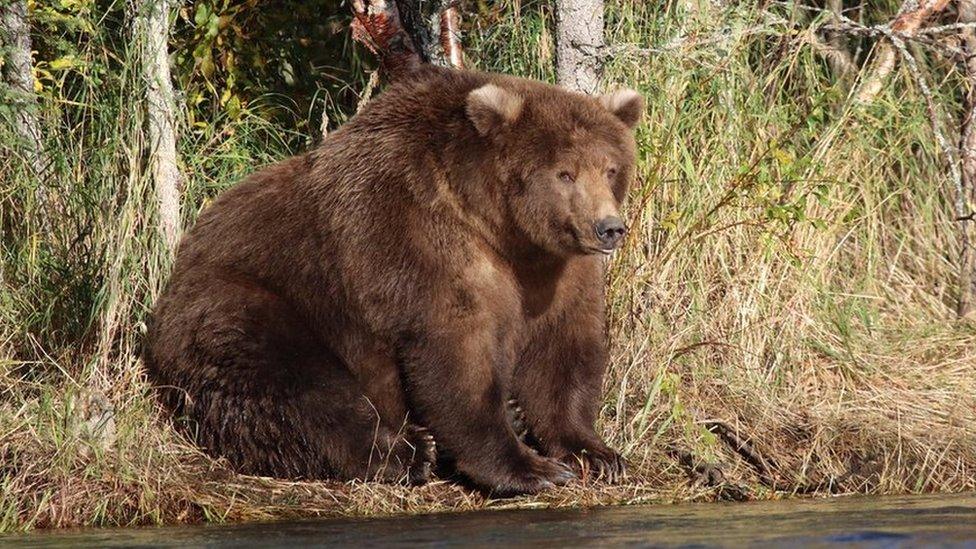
790,274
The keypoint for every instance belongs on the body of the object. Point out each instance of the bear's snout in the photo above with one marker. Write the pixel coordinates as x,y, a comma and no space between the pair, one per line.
610,232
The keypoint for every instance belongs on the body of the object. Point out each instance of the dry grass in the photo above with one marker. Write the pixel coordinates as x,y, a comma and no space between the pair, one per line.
789,282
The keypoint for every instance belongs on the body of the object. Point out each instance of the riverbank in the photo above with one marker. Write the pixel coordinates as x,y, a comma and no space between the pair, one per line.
71,459
781,315
923,521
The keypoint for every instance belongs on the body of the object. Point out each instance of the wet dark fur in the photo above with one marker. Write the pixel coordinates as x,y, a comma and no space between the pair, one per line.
327,307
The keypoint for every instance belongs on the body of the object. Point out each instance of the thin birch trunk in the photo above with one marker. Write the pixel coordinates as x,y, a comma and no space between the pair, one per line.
18,74
838,57
152,28
579,44
448,23
967,156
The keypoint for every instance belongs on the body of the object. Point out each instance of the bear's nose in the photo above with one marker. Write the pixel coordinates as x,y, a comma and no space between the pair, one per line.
610,231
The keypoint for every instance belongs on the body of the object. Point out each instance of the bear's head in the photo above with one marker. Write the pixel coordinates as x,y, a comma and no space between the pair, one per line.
565,161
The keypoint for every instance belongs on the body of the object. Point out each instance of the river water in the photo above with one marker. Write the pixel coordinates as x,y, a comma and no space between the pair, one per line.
885,522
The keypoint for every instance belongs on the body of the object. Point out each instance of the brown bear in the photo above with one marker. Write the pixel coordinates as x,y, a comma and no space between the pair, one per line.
335,314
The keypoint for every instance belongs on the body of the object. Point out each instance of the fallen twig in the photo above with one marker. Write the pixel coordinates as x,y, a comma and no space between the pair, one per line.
745,449
708,474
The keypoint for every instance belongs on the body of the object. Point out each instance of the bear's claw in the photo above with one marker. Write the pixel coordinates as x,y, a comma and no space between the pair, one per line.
516,418
424,446
606,465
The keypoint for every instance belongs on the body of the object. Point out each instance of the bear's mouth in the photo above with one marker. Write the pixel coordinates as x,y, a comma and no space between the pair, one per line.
590,249
585,247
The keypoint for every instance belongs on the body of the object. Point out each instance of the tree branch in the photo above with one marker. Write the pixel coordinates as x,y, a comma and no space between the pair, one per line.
909,18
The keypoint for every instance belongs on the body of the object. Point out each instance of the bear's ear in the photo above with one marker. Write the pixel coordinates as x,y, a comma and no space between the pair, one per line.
625,104
491,107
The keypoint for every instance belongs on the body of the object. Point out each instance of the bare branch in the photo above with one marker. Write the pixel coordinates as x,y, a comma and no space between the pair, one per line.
935,117
961,179
910,17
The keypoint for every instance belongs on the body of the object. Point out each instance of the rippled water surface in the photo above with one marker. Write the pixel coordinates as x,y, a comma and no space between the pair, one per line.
917,521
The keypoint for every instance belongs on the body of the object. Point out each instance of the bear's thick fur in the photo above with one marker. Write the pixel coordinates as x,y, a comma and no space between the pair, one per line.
337,313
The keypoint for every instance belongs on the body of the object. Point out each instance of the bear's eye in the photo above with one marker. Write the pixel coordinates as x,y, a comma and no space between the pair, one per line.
611,173
566,177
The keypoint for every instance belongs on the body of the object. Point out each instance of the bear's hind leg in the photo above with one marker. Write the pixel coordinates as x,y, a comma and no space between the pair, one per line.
261,390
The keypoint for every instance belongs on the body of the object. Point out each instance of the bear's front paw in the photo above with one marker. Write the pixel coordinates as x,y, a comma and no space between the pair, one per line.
529,475
423,457
599,462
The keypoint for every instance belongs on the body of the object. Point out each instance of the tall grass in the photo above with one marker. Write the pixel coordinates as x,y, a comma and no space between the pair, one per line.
789,279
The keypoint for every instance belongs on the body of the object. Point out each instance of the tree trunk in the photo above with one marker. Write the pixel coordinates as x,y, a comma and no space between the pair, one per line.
409,33
579,44
377,25
967,155
839,58
152,28
449,23
18,74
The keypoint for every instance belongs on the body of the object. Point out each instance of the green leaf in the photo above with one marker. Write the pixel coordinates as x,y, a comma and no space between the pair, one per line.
63,63
202,14
233,107
213,26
